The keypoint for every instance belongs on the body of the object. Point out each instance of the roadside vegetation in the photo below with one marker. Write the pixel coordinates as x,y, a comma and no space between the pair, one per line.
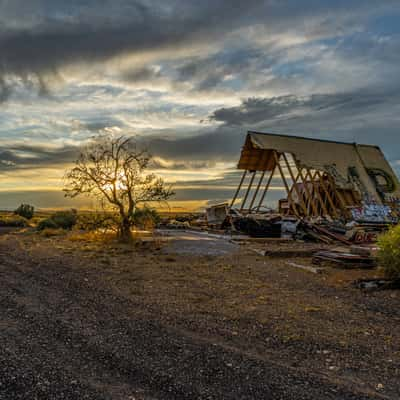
25,210
389,253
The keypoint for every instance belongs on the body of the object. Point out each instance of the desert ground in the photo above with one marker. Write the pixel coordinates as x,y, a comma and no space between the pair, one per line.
83,317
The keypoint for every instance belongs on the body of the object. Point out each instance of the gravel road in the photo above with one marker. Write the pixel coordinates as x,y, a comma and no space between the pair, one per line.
63,336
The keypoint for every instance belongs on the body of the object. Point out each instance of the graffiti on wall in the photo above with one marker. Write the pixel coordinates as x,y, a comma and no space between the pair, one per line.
372,213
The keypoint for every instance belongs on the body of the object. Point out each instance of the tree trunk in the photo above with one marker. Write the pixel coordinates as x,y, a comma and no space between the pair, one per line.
125,234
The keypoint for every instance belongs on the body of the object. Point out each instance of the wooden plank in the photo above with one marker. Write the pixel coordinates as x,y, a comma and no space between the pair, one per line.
342,203
238,188
248,190
290,199
330,200
310,199
266,188
295,185
308,268
325,211
256,192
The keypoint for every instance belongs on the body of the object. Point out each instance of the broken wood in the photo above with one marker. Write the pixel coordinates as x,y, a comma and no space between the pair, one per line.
308,268
248,190
266,188
238,188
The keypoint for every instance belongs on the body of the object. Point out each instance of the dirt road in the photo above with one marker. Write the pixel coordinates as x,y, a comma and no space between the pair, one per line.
68,332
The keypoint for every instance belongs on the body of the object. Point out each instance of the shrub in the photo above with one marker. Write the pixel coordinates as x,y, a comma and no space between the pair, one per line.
13,222
59,220
389,252
25,210
65,219
146,218
50,232
47,223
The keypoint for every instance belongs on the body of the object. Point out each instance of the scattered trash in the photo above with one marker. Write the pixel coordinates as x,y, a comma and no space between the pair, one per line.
376,284
217,214
308,268
259,227
343,259
174,224
319,233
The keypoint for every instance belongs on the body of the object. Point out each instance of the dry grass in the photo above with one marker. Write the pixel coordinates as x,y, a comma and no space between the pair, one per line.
49,232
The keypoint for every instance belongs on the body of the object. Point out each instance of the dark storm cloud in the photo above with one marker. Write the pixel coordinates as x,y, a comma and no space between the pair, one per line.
90,38
216,145
5,90
17,157
255,110
211,71
44,35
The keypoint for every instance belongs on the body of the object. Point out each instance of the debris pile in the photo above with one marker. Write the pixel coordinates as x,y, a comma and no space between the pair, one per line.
343,259
336,192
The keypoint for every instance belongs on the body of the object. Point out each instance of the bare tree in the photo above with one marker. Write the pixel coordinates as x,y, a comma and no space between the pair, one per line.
114,171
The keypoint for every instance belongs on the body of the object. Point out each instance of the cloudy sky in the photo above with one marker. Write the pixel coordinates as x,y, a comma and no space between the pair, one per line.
189,78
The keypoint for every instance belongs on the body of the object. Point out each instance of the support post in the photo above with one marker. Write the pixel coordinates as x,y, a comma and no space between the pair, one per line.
290,199
295,185
248,190
325,211
342,203
328,196
238,188
266,188
257,189
310,199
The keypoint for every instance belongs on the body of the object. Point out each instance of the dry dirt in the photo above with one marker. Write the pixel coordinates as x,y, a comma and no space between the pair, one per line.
86,319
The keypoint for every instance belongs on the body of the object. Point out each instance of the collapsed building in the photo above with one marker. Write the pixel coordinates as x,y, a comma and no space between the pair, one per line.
321,178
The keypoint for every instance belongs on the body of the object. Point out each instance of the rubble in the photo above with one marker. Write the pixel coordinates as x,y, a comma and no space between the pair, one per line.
336,192
306,267
259,227
376,284
343,259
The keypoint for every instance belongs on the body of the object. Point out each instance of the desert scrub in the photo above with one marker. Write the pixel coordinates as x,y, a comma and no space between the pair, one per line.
47,223
389,252
59,220
146,218
25,210
14,221
50,232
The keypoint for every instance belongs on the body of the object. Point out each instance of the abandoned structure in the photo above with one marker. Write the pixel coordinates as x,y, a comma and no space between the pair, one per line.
321,178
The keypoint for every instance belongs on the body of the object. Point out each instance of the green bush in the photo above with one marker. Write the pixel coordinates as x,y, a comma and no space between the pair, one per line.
65,219
146,218
47,223
13,222
25,210
389,252
60,219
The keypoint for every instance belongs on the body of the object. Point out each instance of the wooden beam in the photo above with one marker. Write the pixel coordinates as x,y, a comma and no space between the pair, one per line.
308,193
290,199
257,189
342,203
295,185
330,200
325,211
266,188
238,188
248,190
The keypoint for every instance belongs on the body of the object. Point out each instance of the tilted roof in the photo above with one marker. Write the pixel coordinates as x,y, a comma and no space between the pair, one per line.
335,158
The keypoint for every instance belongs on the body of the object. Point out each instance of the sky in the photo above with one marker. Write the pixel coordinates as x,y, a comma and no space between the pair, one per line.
188,79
